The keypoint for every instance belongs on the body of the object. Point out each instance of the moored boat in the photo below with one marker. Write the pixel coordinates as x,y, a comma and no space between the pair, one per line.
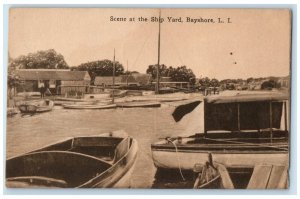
11,111
239,131
38,106
139,104
89,106
81,162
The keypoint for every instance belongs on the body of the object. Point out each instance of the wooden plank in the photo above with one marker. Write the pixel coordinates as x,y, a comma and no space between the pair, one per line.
285,116
260,177
238,115
278,178
226,180
271,123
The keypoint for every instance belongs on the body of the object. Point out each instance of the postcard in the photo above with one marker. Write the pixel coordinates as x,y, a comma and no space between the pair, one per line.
157,98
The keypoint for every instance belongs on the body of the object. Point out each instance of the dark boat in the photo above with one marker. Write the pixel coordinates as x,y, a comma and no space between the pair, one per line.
139,104
36,106
240,131
100,161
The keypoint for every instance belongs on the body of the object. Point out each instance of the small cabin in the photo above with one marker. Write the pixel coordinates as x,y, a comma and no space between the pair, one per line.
58,81
246,112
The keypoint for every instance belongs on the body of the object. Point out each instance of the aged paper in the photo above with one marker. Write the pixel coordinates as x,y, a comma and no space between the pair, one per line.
148,98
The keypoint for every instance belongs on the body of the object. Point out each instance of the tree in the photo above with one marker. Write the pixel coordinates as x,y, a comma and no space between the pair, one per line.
250,79
162,70
268,85
13,80
214,83
182,74
101,68
179,74
48,59
204,82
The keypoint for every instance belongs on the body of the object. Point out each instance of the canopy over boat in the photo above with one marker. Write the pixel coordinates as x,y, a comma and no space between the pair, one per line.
239,98
244,112
236,113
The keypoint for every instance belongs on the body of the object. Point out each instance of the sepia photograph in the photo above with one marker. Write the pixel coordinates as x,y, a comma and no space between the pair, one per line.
155,98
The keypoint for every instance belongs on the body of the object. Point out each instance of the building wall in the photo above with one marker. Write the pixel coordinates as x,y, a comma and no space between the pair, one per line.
69,86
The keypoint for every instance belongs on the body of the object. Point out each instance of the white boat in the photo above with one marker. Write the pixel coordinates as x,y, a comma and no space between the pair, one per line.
239,131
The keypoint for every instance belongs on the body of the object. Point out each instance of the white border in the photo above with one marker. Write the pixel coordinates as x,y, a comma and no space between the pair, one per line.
128,2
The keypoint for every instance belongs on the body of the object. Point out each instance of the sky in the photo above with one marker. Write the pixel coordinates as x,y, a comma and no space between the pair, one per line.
255,44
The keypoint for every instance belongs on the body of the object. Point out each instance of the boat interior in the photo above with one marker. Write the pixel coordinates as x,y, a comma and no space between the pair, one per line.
259,177
67,164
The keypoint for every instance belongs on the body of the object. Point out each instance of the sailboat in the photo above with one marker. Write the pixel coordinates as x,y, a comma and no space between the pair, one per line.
105,103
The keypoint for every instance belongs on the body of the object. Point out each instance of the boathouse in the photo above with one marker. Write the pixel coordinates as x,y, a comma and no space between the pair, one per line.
59,81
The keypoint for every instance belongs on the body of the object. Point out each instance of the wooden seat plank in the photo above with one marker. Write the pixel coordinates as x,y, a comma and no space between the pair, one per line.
278,178
260,177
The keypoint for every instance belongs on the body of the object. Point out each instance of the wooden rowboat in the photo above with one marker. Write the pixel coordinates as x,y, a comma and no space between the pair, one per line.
89,106
36,106
80,162
139,104
10,112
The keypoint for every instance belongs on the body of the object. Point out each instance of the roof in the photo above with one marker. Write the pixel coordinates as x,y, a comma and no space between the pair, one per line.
247,98
107,80
123,79
168,80
53,74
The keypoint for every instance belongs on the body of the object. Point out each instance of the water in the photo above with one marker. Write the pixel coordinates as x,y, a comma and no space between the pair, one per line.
146,125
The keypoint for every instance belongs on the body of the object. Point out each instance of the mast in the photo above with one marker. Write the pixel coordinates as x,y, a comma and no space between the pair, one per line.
114,68
158,57
127,74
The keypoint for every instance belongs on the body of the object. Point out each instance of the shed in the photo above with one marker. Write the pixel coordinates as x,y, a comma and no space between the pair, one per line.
57,80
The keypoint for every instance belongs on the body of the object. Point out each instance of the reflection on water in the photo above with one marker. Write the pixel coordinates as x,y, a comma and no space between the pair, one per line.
28,132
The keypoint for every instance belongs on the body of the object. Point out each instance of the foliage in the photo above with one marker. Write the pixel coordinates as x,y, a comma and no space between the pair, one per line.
101,68
179,74
214,83
268,84
204,82
12,81
48,59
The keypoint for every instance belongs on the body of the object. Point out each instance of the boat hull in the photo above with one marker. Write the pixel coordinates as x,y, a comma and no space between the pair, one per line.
36,107
170,159
73,167
82,106
139,105
122,177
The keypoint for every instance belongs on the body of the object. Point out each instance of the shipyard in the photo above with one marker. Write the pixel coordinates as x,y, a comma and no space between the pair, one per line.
141,106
